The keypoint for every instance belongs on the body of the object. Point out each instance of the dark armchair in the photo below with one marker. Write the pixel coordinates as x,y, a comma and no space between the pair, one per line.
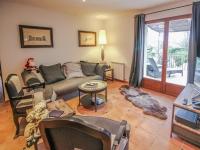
85,133
18,100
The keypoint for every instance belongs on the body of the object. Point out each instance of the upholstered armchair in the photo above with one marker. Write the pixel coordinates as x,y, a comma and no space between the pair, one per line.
84,132
19,101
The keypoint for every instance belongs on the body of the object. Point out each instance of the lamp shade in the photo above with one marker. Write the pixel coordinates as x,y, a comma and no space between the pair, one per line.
102,37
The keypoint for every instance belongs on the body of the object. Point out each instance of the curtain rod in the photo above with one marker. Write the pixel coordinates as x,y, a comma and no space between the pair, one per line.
167,9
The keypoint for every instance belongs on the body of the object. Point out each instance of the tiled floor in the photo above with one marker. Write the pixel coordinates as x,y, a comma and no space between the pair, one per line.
147,133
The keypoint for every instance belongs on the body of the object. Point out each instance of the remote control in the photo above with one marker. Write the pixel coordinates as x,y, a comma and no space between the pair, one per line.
185,101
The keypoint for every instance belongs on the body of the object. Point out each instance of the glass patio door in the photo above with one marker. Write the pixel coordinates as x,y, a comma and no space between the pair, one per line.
166,54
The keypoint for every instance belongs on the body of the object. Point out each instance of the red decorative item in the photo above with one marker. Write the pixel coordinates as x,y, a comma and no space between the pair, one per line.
31,65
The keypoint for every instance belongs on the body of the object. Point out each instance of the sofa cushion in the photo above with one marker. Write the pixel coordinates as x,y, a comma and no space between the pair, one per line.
70,85
72,70
52,74
88,68
32,78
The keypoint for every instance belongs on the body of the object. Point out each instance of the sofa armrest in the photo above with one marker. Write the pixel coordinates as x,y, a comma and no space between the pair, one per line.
35,86
100,69
22,97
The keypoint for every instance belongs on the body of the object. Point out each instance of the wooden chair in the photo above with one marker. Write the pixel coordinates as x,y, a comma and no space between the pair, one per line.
18,100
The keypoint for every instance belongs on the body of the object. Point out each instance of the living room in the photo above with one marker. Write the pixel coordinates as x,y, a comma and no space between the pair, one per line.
128,65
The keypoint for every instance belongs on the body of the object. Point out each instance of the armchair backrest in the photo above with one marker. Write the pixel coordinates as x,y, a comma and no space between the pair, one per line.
72,133
13,86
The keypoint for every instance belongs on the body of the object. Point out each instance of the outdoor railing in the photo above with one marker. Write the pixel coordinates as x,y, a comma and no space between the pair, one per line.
173,60
176,61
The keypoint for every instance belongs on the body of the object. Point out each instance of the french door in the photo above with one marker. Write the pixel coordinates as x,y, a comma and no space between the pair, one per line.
166,54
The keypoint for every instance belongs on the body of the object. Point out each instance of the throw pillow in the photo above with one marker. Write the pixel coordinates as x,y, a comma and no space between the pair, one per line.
72,70
52,74
30,78
88,68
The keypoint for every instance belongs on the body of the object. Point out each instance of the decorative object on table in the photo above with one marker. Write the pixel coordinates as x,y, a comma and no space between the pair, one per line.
33,118
91,85
91,90
102,43
35,37
31,65
87,38
108,74
56,113
144,101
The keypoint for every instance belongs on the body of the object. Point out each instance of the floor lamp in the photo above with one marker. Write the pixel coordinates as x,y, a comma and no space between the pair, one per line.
102,43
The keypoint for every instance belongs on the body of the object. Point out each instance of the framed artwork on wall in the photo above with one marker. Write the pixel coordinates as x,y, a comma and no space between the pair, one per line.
87,38
35,36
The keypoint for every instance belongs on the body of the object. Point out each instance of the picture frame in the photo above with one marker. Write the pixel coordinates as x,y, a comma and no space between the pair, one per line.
87,38
35,36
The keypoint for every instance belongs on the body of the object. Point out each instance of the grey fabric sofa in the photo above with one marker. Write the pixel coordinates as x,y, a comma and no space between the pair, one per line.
65,87
69,86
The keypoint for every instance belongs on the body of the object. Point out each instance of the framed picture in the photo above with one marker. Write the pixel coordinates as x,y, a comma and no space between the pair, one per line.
35,37
87,38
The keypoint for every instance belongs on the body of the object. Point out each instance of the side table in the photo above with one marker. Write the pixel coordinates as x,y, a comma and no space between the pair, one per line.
108,74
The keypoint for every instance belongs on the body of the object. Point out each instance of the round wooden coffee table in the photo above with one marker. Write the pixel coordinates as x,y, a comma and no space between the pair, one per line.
92,94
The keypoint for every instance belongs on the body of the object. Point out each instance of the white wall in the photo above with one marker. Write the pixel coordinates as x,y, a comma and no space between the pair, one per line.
65,35
120,31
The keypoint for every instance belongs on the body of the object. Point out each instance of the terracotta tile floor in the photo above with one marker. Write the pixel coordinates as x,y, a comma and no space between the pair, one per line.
147,133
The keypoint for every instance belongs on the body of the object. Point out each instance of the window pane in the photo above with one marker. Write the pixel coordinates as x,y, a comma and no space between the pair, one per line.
178,44
154,34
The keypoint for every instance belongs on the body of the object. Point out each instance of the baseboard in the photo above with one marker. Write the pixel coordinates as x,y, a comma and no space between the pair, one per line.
124,81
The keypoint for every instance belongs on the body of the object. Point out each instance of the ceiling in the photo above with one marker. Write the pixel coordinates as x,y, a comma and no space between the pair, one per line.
94,5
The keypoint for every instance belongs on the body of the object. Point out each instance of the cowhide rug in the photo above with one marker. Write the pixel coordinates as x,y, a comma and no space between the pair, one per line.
144,101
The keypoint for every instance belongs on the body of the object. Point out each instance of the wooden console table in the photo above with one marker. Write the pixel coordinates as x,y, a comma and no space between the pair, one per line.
188,93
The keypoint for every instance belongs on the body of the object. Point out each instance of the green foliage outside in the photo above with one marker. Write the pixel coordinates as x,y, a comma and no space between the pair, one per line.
179,55
175,55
